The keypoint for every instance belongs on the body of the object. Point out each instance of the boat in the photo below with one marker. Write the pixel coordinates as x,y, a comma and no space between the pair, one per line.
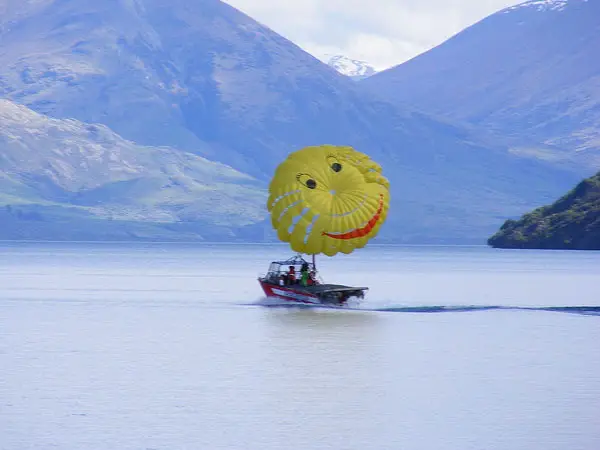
323,200
276,284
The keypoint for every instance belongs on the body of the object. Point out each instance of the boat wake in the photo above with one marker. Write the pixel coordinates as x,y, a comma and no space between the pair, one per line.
430,309
584,310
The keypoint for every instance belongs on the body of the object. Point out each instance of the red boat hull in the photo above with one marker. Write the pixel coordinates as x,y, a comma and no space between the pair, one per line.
288,293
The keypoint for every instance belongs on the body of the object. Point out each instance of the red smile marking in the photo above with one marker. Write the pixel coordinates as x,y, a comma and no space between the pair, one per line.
360,232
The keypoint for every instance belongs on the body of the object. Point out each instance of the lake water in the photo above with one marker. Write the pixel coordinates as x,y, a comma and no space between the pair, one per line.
163,346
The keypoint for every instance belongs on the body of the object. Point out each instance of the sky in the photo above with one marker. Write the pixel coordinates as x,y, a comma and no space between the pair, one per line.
383,33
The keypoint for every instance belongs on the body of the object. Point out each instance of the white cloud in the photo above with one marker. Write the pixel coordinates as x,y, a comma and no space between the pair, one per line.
382,32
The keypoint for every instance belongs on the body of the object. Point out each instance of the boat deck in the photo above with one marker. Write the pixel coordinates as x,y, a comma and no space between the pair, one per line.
318,288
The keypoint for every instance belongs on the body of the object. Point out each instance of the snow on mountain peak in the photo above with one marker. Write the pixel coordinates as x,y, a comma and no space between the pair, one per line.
353,68
542,5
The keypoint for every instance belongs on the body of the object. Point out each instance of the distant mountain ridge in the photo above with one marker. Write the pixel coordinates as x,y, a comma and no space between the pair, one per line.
529,74
86,170
202,78
352,68
187,72
541,5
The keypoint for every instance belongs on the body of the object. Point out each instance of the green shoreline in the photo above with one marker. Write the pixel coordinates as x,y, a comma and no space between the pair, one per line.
570,223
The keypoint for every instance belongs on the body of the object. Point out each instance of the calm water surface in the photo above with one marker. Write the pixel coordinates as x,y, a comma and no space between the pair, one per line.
134,346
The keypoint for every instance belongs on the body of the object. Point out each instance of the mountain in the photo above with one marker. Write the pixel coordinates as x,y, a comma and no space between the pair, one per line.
529,74
203,78
352,68
52,169
572,222
197,75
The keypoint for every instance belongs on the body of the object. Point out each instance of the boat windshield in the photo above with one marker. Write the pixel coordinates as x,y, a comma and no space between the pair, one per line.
279,268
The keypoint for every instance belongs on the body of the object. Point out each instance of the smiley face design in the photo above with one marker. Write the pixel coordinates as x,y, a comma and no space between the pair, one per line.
328,199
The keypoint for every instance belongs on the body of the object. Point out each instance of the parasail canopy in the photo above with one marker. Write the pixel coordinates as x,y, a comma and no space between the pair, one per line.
328,199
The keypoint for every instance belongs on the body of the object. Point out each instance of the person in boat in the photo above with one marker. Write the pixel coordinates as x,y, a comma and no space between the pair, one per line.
312,278
291,276
304,275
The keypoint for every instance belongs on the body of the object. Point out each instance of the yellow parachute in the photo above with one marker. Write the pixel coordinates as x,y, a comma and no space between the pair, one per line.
328,199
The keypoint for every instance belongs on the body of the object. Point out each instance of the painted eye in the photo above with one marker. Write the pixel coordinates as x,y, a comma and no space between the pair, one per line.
334,163
306,180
